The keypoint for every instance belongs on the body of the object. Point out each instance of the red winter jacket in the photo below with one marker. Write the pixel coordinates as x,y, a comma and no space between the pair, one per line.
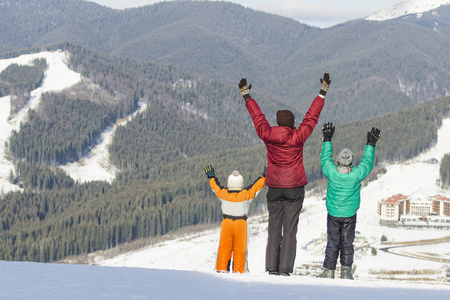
285,145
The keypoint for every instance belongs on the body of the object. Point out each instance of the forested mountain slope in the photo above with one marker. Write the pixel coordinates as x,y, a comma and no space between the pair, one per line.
376,67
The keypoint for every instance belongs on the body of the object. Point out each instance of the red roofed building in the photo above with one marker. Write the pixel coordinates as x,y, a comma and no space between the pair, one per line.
407,210
390,209
440,205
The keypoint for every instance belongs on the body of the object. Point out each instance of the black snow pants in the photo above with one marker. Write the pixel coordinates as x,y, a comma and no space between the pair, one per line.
284,207
341,234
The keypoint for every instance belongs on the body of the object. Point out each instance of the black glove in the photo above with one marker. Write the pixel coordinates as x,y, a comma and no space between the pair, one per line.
209,170
265,169
373,136
245,90
325,81
328,131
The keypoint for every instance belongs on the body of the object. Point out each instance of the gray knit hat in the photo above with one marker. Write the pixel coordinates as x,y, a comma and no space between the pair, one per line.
345,158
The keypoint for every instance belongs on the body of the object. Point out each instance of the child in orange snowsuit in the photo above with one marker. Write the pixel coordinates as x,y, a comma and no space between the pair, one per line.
235,203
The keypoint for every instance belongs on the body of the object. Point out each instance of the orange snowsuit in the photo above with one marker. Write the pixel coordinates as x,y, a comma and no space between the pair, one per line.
233,233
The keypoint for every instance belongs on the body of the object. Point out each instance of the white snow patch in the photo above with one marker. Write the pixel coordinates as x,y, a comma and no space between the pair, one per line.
96,166
407,7
6,167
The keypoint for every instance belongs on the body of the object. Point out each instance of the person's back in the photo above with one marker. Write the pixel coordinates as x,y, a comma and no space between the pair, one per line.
235,202
343,199
284,143
344,189
286,177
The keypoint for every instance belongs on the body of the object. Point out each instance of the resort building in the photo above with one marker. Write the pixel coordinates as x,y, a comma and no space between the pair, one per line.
417,210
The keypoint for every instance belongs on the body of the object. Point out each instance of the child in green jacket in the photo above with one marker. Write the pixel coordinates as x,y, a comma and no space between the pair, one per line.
343,199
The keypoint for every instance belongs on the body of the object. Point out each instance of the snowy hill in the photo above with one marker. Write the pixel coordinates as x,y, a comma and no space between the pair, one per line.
406,7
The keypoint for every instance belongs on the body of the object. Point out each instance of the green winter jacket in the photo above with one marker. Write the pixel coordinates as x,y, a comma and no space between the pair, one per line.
343,192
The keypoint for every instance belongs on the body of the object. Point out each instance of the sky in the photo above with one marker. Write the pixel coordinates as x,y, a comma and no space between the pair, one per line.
319,13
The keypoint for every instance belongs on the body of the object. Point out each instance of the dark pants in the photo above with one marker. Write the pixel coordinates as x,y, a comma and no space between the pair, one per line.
341,234
284,207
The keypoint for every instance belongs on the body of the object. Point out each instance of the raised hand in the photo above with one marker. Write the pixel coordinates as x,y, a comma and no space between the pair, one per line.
325,81
209,170
244,89
373,136
327,131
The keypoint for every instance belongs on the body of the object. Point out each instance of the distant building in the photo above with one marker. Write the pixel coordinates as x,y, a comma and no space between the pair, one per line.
440,205
390,209
417,210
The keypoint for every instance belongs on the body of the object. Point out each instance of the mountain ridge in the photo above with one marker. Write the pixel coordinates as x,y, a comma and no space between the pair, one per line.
281,57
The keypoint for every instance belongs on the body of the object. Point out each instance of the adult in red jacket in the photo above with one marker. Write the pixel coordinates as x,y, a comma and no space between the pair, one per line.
285,175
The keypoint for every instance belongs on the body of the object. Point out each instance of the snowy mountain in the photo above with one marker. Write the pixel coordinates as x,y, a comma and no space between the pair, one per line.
205,37
405,8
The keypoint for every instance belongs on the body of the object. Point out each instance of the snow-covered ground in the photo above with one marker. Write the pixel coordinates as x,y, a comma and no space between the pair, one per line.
406,7
57,77
25,281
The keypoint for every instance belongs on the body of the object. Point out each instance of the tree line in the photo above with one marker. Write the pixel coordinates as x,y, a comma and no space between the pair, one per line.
444,171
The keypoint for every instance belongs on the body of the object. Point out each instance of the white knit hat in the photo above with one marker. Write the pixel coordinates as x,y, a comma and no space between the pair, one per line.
235,181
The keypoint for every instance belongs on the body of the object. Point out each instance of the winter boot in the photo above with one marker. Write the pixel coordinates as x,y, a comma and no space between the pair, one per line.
327,273
346,272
